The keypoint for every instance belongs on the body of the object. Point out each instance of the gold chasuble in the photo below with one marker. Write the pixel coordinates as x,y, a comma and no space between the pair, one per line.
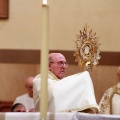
110,102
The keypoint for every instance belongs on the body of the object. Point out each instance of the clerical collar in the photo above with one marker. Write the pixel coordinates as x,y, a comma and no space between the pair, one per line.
52,76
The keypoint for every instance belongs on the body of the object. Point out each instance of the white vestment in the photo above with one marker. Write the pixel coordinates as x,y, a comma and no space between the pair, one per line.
72,93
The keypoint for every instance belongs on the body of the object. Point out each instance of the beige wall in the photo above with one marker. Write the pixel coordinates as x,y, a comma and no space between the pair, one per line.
23,31
23,28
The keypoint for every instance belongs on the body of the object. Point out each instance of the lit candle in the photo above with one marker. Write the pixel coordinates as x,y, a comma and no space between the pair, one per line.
44,62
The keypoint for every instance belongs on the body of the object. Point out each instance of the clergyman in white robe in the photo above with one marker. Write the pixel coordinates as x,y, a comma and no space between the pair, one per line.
72,93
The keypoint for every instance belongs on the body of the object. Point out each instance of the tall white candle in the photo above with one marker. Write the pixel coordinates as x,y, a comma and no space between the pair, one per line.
44,62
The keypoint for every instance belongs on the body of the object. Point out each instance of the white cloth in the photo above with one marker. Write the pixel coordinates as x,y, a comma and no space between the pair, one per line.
73,93
56,116
26,100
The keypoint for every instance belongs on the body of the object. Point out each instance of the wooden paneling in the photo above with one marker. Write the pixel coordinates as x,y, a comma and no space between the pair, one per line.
5,106
33,57
23,63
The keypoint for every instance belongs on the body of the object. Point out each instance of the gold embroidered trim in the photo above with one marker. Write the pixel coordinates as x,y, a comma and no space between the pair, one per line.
52,76
82,108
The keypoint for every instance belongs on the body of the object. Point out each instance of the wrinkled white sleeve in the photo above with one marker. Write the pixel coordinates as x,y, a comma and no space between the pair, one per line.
75,93
36,92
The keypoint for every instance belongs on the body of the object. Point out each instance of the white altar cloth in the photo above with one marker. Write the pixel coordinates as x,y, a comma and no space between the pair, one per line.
57,116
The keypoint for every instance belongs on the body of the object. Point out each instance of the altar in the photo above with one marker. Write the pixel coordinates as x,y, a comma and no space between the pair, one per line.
56,116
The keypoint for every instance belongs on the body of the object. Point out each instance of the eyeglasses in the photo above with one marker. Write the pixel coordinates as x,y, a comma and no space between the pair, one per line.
61,63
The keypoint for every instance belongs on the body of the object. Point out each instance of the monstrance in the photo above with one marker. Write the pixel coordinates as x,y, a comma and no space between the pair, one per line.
87,49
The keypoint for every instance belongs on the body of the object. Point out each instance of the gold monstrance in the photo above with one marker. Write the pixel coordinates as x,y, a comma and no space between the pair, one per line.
87,49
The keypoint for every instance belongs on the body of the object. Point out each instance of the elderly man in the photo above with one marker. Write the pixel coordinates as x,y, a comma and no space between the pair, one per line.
110,102
66,94
27,98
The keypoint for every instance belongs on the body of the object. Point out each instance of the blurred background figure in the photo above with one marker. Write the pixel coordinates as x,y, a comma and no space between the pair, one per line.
18,107
27,99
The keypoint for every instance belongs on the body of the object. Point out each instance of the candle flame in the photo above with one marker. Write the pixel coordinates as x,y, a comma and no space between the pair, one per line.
44,2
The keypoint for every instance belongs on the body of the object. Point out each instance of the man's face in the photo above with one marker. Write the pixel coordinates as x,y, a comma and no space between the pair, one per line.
58,66
29,86
20,109
30,89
